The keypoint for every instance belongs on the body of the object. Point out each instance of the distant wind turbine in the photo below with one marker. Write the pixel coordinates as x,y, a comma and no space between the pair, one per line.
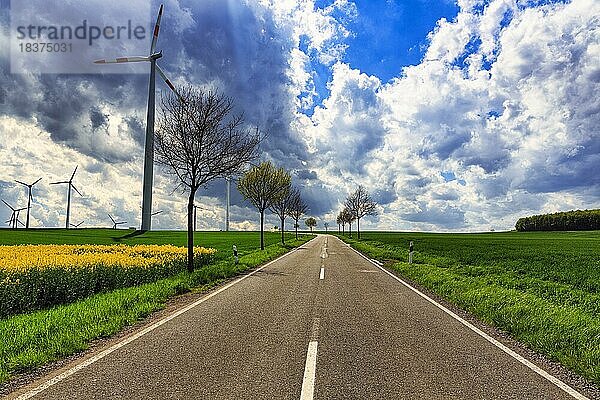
29,198
14,217
115,223
70,183
149,147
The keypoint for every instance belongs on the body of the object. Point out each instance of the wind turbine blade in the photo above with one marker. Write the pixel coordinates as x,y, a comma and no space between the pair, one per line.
73,186
22,183
72,176
36,182
58,183
169,83
111,218
121,60
8,205
156,30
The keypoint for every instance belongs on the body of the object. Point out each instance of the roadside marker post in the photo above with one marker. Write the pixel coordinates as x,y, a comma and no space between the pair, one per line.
410,252
235,254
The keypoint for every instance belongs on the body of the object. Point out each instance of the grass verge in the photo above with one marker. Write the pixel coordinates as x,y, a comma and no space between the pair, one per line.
555,318
31,340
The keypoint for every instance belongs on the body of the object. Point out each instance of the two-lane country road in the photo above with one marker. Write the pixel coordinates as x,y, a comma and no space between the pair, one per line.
319,323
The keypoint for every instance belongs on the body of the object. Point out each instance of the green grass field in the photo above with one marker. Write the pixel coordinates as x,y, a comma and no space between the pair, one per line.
222,241
541,287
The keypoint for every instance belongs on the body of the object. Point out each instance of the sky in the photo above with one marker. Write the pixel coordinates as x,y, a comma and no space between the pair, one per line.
457,116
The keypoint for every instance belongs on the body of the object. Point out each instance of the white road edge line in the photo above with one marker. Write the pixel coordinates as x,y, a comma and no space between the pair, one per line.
143,332
566,388
322,275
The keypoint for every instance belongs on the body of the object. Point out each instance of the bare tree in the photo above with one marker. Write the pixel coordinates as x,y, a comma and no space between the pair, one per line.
348,217
297,208
282,207
311,223
264,185
341,223
361,205
326,225
199,139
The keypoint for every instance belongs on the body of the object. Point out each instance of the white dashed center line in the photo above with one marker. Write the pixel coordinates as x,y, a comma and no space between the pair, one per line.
310,368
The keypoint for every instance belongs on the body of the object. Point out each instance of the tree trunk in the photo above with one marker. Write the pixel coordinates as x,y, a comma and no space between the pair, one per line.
358,227
262,231
343,229
282,231
350,229
190,231
296,227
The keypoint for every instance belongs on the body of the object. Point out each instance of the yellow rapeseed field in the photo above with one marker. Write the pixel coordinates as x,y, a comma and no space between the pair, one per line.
33,277
24,257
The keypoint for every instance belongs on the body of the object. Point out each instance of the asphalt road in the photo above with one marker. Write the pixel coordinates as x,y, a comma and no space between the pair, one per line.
320,323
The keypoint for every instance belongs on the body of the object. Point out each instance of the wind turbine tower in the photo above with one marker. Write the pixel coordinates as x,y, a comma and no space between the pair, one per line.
227,207
149,147
29,198
70,183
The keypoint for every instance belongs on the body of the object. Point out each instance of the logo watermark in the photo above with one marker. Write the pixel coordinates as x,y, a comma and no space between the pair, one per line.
67,36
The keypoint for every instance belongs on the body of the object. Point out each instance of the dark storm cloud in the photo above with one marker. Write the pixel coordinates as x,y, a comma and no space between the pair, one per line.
384,197
137,129
305,174
239,47
98,119
236,46
447,216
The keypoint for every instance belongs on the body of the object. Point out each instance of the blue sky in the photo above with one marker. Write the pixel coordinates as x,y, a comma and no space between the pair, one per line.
391,34
457,115
386,36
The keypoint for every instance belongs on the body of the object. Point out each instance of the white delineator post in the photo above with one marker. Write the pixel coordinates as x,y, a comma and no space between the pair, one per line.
235,253
410,252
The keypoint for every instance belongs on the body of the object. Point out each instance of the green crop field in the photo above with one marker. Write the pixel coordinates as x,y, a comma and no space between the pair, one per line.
541,287
222,241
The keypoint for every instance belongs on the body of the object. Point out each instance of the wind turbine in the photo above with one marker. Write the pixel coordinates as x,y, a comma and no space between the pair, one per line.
70,183
228,179
29,198
149,147
14,217
77,225
115,223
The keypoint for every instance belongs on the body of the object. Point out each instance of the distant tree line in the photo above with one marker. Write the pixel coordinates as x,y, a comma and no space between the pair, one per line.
586,220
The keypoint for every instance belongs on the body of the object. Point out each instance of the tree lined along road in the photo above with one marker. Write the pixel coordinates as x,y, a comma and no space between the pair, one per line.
322,322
